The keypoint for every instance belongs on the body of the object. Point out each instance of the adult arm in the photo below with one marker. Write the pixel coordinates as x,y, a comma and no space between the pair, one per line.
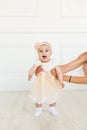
85,69
81,60
75,79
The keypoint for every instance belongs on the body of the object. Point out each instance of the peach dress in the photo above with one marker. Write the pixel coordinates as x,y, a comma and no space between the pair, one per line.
45,88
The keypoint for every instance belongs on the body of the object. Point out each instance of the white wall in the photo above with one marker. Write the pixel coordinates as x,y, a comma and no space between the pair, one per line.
24,22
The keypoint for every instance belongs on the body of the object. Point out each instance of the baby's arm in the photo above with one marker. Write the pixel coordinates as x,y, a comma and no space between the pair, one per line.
60,76
31,71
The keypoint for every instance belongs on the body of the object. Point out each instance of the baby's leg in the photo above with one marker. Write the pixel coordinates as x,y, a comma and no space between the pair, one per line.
53,104
38,109
38,105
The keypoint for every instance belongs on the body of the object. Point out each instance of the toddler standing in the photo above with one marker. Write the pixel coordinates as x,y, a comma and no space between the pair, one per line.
46,88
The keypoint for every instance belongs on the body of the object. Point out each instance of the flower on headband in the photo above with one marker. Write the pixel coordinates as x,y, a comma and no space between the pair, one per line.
37,45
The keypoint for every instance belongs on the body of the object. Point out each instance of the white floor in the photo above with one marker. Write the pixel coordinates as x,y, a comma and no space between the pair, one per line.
16,112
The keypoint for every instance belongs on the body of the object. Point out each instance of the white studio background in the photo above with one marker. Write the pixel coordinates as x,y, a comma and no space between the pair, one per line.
24,22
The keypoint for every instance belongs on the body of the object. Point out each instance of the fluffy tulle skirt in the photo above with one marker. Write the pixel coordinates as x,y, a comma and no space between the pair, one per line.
45,89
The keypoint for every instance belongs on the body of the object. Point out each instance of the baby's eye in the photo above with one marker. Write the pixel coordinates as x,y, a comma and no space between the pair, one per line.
46,50
41,51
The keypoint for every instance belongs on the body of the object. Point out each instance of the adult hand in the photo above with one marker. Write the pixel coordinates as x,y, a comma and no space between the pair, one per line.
38,70
54,73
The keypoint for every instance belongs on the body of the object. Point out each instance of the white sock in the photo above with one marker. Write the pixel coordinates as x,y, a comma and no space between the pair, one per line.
52,111
38,111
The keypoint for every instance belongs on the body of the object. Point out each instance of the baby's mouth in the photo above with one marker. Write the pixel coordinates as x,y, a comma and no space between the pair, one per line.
44,57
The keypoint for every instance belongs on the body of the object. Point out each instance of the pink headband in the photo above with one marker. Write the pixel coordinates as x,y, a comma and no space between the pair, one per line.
37,45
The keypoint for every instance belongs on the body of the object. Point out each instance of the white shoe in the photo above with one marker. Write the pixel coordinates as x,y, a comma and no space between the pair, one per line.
38,112
53,111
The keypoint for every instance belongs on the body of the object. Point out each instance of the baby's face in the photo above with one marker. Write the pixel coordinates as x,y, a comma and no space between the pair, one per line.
44,53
